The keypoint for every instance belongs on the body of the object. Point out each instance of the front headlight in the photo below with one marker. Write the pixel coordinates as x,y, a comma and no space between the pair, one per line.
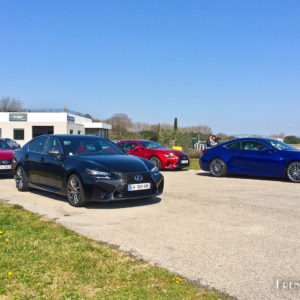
168,155
99,173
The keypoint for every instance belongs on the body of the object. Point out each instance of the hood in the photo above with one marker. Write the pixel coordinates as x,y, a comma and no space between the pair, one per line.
6,154
117,163
176,152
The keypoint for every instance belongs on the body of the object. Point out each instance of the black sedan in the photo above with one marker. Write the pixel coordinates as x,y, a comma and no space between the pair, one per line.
84,168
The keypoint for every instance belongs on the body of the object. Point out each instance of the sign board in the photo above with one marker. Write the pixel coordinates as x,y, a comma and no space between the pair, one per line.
70,118
18,117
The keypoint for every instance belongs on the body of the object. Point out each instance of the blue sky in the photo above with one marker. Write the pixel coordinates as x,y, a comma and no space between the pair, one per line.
231,65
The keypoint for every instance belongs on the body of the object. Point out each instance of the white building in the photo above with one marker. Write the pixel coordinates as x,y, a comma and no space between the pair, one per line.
23,126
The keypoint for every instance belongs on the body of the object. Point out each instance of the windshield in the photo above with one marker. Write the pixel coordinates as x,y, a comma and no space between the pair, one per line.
3,145
89,146
151,145
280,145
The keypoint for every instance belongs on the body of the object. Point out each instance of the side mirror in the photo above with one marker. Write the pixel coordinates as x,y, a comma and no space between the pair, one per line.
125,151
265,149
54,153
137,148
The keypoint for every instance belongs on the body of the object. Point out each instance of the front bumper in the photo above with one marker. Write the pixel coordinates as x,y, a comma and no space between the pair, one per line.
116,189
176,162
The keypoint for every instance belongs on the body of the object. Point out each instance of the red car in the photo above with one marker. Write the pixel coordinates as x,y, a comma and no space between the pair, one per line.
161,157
6,157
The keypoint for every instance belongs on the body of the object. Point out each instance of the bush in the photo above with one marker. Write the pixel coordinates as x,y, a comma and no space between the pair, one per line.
194,153
292,139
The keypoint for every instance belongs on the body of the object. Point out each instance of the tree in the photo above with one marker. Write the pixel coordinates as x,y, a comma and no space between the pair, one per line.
175,124
292,139
9,104
121,123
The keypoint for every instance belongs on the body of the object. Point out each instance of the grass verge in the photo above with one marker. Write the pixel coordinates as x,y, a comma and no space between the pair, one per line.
194,164
42,260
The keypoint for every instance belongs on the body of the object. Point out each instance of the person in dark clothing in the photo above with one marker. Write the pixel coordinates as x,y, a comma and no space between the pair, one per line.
208,142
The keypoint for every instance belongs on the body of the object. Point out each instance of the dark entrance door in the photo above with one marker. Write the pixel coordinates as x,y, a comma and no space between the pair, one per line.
40,130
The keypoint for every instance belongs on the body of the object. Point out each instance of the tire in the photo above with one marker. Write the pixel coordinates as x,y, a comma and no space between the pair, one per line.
156,161
218,167
75,194
21,179
293,171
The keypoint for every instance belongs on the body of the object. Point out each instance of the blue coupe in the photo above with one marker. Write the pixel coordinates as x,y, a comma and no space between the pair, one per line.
252,156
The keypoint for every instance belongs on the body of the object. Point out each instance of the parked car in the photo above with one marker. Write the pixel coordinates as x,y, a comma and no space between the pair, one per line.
12,144
6,157
252,156
161,157
84,168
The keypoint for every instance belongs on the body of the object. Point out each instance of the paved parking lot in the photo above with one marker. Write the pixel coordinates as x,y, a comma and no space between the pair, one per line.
237,235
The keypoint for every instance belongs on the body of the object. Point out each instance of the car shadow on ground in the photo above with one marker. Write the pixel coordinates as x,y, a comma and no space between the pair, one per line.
174,170
102,205
246,177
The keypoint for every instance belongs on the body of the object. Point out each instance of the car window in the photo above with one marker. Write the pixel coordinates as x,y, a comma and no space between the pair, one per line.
234,146
3,145
130,145
151,145
53,145
38,145
280,145
84,146
121,145
252,145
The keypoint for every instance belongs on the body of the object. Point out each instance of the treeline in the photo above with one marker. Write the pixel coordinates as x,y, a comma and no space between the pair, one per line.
165,134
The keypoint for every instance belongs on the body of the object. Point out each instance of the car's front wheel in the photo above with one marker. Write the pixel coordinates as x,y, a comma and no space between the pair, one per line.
75,194
218,167
156,161
293,171
21,179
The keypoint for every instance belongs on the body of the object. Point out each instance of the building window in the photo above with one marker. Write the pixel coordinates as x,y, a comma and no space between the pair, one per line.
18,134
0,132
71,131
79,132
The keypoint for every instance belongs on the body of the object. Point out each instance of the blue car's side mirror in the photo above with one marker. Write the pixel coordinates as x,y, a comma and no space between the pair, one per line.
265,149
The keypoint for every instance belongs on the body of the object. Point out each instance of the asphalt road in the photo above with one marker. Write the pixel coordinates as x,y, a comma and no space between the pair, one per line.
237,235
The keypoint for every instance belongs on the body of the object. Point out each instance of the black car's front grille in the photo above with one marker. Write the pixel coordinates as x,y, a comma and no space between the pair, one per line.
5,161
122,190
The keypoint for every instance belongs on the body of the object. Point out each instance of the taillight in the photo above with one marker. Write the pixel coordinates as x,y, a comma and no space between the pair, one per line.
204,151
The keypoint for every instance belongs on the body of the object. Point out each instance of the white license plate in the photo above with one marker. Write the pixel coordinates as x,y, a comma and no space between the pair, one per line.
185,161
139,187
6,167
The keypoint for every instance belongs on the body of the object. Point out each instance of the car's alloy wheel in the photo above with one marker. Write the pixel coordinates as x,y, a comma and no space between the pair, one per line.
293,171
21,179
218,168
75,193
156,161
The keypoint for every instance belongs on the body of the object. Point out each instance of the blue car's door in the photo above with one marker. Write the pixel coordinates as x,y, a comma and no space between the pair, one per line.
253,160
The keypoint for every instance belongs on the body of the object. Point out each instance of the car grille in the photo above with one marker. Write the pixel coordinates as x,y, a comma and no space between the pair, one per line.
122,190
5,161
182,157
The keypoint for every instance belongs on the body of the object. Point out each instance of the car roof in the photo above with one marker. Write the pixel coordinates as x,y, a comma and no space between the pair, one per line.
71,135
260,139
133,140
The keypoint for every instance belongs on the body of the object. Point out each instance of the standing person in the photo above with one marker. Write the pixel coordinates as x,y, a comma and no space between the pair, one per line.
209,140
214,141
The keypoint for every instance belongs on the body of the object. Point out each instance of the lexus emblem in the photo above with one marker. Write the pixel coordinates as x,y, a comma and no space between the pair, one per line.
138,178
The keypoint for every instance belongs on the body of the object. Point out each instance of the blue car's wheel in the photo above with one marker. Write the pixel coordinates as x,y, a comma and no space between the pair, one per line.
293,171
218,167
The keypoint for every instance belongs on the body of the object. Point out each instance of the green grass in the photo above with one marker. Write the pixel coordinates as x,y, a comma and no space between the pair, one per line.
194,164
42,260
